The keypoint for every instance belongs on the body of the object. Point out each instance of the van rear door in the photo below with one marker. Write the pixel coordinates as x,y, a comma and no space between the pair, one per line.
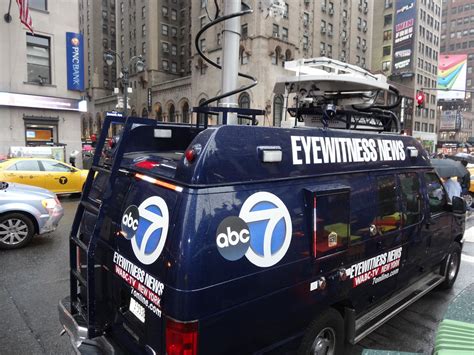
138,261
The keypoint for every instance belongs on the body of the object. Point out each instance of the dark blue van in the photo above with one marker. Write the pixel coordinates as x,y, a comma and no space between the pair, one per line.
241,239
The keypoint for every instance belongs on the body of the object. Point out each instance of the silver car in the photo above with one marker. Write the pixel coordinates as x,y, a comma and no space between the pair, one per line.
25,211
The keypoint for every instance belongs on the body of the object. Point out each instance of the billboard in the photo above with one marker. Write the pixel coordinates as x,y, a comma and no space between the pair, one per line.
75,61
403,39
452,76
450,120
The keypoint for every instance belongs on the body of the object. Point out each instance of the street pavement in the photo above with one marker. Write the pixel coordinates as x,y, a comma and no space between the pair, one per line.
33,279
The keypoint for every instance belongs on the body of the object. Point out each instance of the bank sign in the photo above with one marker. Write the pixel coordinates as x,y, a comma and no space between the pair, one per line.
75,61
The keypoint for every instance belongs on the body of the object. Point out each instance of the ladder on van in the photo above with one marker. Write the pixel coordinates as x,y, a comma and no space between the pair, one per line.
87,307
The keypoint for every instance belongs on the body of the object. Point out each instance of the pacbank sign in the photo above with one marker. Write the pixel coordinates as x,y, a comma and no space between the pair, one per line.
75,61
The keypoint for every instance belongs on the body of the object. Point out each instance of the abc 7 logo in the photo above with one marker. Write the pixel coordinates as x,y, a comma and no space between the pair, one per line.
146,226
262,232
130,220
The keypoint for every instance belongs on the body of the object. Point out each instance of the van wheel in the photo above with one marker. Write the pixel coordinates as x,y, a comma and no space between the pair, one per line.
16,230
451,265
325,335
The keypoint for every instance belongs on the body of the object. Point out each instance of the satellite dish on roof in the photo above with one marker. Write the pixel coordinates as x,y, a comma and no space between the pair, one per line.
273,8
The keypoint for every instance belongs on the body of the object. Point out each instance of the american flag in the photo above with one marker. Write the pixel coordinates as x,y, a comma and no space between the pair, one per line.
25,17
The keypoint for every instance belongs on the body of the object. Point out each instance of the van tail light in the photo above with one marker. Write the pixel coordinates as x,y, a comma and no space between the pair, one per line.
181,338
146,164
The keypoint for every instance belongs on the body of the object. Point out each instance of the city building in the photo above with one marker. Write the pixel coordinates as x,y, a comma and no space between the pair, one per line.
310,28
159,32
406,44
98,26
457,38
38,106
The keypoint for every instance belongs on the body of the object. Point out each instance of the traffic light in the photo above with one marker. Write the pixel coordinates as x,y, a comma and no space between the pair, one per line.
420,99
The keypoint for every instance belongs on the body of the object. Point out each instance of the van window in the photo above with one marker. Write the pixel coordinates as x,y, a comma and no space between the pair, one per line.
388,215
410,198
332,222
436,193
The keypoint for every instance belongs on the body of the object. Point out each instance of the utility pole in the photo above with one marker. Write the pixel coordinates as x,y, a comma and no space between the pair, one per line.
230,65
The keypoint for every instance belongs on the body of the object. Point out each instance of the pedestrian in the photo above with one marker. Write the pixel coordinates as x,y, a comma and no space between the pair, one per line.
465,180
453,188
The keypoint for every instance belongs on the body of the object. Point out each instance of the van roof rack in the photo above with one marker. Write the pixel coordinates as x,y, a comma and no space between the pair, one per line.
330,93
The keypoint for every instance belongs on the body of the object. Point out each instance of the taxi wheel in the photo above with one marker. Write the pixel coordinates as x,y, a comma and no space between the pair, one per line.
16,230
451,265
325,335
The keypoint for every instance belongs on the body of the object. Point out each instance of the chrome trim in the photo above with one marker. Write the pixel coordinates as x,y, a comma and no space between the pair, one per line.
77,333
415,298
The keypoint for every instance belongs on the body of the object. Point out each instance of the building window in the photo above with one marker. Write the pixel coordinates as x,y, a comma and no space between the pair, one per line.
165,46
38,59
387,20
219,39
387,35
38,4
276,31
244,31
164,30
144,31
185,111
244,102
386,65
277,110
174,50
202,44
386,50
174,32
305,42
284,34
417,126
174,67
174,15
305,19
164,11
171,114
165,65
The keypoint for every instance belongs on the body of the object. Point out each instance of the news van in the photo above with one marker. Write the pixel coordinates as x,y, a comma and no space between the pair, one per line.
236,239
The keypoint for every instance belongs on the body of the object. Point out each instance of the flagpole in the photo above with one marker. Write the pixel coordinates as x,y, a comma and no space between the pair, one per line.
7,17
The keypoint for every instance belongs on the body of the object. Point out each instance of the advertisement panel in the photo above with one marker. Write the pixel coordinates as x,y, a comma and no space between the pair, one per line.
403,39
452,76
450,120
75,61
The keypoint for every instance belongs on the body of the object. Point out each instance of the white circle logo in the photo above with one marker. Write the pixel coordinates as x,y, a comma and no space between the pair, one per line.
150,237
270,228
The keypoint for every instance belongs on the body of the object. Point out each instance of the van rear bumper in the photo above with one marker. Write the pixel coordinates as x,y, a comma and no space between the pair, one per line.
76,328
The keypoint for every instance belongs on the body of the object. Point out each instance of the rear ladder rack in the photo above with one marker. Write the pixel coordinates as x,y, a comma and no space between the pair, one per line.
87,307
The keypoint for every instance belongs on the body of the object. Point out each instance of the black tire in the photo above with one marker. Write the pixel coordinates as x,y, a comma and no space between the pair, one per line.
326,332
451,266
16,230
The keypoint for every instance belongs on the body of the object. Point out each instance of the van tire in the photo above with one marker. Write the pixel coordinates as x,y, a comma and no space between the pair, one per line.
326,332
451,265
17,223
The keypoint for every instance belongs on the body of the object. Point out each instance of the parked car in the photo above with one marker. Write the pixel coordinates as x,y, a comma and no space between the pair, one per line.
54,175
26,211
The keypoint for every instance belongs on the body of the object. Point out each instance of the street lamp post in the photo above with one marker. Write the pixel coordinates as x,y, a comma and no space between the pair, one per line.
109,57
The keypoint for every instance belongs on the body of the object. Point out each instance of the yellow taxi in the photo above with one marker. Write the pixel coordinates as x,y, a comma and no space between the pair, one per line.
470,167
50,174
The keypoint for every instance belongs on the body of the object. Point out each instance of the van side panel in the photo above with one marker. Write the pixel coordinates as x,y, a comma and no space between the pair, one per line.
278,301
